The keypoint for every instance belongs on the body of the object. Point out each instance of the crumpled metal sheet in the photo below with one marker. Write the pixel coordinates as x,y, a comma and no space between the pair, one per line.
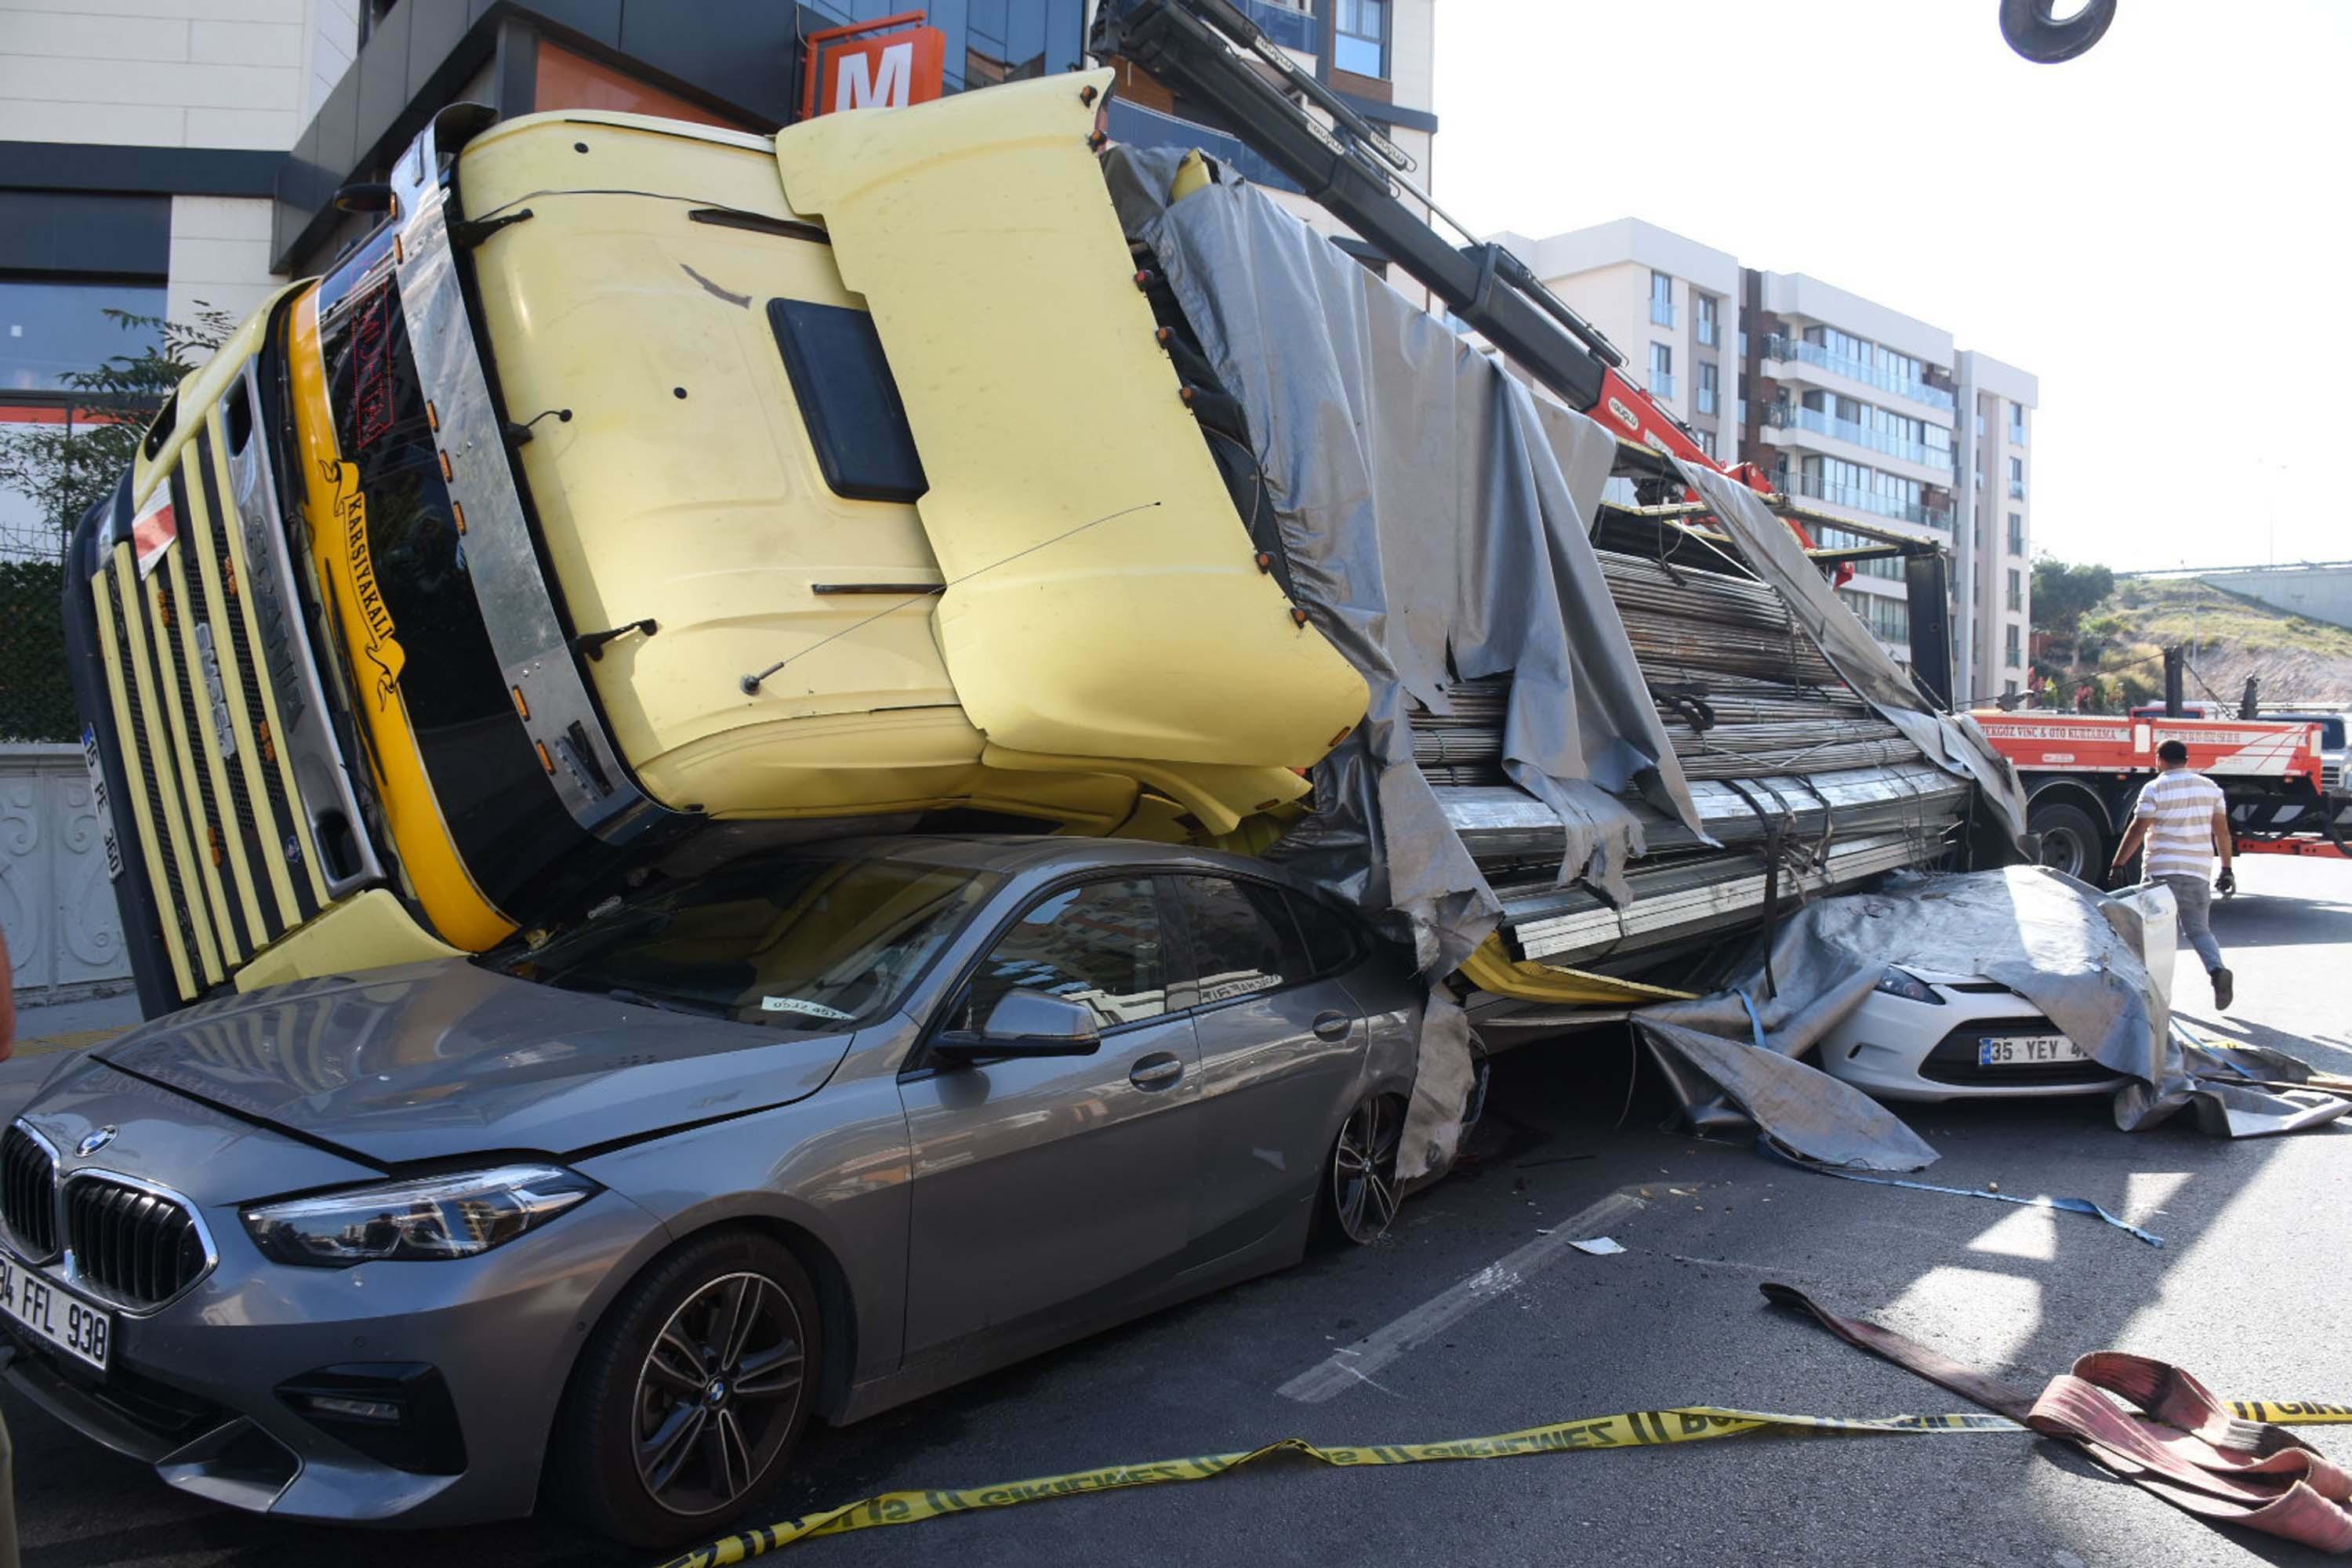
1435,518
2072,952
1951,741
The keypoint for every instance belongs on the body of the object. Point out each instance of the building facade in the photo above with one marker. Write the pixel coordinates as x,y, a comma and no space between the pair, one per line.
168,158
1857,409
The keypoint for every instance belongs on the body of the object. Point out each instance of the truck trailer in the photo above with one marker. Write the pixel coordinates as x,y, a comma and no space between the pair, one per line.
639,493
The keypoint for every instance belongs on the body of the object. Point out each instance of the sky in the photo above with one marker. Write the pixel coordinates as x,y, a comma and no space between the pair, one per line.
2160,230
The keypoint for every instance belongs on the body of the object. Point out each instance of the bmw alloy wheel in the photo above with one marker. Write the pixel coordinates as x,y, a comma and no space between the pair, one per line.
1363,1169
717,1394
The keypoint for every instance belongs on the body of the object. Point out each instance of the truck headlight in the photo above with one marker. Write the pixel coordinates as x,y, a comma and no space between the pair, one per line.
437,1216
1910,987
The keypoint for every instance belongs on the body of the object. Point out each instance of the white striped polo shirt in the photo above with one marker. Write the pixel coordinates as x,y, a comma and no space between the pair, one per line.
2178,808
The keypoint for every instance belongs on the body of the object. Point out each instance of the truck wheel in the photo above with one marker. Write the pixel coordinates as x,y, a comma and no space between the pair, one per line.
2070,841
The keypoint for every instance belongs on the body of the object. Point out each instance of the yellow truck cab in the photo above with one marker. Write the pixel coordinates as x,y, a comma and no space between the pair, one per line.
641,490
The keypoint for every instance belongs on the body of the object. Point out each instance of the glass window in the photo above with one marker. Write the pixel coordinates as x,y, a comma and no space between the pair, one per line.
1331,945
1662,360
794,943
1363,45
848,400
1244,940
2016,590
487,781
2016,533
49,331
1098,943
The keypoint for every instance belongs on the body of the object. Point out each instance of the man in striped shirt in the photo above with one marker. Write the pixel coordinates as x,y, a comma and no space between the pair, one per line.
2183,820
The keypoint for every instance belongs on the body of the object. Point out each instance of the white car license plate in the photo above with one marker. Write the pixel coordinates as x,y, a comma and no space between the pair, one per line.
83,1330
2027,1050
98,801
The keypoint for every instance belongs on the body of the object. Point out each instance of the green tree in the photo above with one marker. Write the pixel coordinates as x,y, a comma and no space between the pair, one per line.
2062,594
65,469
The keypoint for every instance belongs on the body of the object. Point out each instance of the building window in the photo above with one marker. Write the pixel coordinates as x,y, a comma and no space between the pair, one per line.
1889,620
1979,424
2017,533
2016,590
1661,299
1885,566
2017,479
1706,387
1662,370
1706,441
2017,424
49,329
2008,688
1363,42
1706,308
2008,648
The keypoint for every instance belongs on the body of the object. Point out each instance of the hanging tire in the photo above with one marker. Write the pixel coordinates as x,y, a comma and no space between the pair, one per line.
691,1394
2070,841
1359,1180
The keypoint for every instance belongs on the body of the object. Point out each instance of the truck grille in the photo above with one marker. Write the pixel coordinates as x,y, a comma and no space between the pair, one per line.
213,799
28,1193
141,1248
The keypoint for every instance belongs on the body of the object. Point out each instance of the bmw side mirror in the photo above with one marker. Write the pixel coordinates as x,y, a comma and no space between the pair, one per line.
1028,1023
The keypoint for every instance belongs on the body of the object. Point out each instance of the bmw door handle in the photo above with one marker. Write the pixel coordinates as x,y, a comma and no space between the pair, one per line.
1158,1070
1332,1025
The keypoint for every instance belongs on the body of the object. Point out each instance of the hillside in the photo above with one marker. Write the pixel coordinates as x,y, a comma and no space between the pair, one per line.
2302,662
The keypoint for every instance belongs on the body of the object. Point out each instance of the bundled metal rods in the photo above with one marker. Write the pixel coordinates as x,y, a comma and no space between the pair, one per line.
1782,758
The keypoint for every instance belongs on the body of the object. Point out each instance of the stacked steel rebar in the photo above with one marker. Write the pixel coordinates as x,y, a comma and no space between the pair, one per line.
1802,785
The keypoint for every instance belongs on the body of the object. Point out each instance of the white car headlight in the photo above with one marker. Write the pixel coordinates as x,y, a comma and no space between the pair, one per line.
1910,987
436,1218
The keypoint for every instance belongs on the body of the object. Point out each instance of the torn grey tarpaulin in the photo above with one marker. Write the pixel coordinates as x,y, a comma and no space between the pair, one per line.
1435,527
1951,741
2073,953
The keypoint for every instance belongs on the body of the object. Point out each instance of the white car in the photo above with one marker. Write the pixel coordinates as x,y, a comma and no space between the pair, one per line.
1925,1034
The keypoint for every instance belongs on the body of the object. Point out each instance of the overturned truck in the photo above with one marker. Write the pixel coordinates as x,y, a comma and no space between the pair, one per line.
641,494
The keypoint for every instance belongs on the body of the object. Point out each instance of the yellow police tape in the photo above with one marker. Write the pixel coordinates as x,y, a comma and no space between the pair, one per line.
1639,1428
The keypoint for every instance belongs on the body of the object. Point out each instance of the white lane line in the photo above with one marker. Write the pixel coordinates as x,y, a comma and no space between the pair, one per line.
1354,1365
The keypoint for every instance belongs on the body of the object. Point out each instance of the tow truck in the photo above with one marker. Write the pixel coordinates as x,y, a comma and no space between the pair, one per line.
2083,773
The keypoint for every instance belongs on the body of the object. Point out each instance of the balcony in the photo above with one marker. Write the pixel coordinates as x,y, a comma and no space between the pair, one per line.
1292,26
1707,332
2017,489
1792,416
1706,398
1798,350
2017,434
1661,386
1868,501
1662,311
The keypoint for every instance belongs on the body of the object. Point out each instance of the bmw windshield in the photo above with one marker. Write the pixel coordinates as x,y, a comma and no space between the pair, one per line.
795,942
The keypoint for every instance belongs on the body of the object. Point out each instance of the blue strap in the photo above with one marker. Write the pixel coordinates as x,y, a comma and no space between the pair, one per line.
1755,1019
1765,1145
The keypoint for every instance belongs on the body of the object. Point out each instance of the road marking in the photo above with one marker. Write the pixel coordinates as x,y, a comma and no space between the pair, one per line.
1353,1365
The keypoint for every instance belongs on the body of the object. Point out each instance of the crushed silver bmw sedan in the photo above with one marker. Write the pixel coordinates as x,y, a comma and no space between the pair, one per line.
611,1219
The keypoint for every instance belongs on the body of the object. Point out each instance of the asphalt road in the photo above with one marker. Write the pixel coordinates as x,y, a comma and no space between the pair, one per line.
2248,1292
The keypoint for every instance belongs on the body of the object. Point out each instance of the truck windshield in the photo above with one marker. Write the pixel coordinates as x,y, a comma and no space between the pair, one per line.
439,665
797,943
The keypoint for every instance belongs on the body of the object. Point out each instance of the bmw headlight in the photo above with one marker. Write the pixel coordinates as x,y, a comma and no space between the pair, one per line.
1910,987
437,1216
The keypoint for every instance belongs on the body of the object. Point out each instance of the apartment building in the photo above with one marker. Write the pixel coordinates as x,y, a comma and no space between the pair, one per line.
1862,411
165,157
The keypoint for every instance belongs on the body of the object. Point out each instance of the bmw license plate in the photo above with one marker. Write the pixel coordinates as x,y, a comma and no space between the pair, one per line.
82,1328
2027,1050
